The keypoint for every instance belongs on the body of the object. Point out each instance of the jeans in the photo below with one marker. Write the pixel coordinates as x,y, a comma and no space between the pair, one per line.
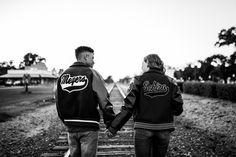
151,143
83,144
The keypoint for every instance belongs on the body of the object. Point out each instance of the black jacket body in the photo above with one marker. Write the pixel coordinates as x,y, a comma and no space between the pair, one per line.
80,94
153,100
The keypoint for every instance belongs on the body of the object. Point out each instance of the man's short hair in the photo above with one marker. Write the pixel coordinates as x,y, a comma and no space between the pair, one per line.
82,49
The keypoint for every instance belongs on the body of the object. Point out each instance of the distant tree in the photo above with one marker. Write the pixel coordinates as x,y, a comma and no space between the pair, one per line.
125,80
227,37
22,65
205,69
220,69
109,79
188,73
216,66
232,59
178,74
213,68
232,65
30,59
8,65
4,66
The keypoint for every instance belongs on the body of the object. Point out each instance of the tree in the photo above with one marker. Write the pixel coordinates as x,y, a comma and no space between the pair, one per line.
219,63
4,66
178,74
188,73
30,59
8,65
109,79
232,65
214,68
125,80
205,69
227,37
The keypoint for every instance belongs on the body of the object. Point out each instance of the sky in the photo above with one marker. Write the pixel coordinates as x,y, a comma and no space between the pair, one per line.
121,32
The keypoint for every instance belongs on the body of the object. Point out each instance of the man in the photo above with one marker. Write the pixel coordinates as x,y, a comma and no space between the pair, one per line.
153,99
80,90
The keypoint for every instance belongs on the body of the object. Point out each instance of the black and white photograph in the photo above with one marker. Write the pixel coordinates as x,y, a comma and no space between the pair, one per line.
117,78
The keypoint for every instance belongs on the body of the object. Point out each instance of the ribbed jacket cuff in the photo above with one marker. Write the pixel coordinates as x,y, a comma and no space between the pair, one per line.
112,130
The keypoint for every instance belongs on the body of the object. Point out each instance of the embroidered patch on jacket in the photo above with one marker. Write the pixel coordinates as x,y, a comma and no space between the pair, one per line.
155,89
75,83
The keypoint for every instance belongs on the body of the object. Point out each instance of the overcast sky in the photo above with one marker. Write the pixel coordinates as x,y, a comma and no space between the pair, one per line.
121,32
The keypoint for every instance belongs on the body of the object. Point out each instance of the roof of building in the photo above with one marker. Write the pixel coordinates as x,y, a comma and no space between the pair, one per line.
32,73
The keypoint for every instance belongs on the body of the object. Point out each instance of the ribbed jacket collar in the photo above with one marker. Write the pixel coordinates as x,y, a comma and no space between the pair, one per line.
155,70
78,64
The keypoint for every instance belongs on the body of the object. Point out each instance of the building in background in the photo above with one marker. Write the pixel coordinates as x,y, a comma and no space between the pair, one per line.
38,74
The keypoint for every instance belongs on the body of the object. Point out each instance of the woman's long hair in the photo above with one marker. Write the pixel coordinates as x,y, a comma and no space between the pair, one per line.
154,61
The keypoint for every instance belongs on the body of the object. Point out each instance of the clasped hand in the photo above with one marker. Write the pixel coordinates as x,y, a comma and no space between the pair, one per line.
109,134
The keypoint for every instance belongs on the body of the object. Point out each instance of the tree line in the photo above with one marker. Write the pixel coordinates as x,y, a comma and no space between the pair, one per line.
28,60
216,67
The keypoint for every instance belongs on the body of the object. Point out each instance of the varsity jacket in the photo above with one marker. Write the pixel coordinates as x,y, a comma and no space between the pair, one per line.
153,100
80,93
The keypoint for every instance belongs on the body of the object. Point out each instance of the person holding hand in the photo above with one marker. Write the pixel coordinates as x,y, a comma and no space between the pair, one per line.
153,99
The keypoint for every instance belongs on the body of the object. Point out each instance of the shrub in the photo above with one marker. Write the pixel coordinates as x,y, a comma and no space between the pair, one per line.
211,89
191,87
207,89
226,91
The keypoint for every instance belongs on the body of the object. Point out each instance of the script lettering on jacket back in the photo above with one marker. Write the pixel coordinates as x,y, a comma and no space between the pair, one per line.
155,89
75,83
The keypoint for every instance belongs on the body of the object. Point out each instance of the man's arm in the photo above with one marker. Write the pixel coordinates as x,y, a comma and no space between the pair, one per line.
57,103
103,98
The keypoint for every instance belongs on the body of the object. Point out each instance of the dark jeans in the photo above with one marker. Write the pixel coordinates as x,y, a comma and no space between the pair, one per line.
83,144
151,143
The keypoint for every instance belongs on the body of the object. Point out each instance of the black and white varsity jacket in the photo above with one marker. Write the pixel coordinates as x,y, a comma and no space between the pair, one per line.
153,100
80,94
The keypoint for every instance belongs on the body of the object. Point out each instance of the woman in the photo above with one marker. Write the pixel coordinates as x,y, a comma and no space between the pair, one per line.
153,100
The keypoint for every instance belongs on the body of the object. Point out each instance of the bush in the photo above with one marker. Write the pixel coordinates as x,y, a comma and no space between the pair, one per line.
211,89
226,91
191,87
208,89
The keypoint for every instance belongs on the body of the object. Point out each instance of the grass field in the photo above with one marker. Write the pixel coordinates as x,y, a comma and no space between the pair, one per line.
14,100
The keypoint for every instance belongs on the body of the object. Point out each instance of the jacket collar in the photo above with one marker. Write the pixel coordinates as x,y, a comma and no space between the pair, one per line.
79,64
155,70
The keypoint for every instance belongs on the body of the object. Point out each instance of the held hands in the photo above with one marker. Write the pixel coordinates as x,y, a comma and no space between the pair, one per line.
109,134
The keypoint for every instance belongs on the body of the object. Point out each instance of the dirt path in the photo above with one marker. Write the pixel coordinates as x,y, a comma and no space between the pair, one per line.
207,127
30,133
214,115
